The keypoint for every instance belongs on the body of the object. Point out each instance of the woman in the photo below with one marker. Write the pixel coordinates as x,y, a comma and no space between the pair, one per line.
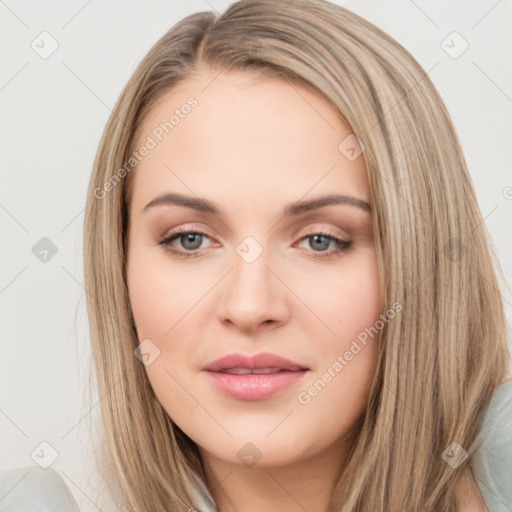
291,296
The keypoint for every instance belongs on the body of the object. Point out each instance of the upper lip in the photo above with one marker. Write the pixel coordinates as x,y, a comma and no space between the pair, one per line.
262,360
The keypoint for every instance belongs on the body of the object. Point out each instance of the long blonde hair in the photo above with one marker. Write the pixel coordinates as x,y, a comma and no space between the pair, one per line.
440,360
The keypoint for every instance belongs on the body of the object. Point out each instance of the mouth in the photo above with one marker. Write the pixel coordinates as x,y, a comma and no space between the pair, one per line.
255,371
254,377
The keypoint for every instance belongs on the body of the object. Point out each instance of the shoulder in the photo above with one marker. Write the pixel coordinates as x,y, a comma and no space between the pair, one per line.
492,458
35,489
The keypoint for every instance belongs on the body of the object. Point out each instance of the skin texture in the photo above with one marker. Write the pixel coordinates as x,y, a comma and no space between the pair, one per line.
253,145
468,493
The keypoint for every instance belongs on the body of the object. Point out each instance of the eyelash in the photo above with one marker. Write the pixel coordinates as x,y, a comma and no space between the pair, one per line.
343,245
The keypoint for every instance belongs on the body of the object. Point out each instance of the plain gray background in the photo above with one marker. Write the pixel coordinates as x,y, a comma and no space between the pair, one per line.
53,111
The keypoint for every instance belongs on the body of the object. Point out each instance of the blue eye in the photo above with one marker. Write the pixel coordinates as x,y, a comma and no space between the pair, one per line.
321,241
188,239
191,242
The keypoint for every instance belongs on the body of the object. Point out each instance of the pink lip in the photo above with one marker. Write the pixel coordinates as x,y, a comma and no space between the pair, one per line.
261,360
254,386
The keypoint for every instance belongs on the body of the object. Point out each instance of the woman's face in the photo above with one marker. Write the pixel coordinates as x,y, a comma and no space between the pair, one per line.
267,267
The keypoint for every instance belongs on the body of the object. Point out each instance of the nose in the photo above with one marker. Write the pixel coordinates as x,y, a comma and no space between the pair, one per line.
252,295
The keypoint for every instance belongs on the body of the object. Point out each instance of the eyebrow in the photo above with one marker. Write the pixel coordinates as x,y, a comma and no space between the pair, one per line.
290,210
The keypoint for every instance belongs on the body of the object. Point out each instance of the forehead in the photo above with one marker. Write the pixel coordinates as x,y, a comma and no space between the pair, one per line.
256,137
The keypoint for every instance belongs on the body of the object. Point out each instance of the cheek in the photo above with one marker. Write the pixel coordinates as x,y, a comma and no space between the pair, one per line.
346,300
160,301
359,301
349,303
165,303
161,298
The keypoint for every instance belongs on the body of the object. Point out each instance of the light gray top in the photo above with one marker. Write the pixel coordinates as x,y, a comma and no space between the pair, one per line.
492,461
33,489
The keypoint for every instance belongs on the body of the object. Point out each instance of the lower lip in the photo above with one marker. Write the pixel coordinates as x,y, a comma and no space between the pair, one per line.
255,386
